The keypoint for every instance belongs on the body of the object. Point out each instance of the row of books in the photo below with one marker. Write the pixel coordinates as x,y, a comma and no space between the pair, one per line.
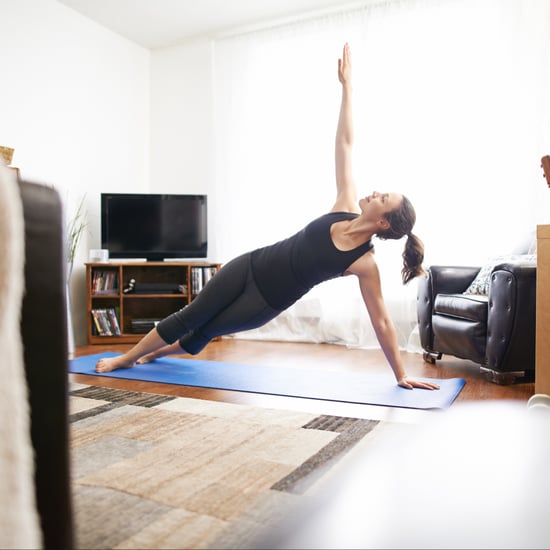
104,282
200,275
105,322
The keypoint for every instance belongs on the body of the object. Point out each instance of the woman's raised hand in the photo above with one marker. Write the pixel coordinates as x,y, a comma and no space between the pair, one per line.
344,66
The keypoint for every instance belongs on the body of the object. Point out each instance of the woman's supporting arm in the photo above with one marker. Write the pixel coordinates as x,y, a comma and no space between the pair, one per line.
371,291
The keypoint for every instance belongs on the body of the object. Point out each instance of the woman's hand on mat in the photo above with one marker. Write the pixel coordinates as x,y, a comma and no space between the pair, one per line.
410,383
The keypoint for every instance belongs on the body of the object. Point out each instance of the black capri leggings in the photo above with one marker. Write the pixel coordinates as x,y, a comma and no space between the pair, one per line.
229,302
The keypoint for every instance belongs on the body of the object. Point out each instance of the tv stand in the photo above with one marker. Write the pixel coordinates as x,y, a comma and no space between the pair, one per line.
181,260
127,260
118,315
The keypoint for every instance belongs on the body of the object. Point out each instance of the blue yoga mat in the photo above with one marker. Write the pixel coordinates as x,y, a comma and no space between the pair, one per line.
327,385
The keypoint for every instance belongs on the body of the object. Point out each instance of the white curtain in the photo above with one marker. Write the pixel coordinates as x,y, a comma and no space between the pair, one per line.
451,108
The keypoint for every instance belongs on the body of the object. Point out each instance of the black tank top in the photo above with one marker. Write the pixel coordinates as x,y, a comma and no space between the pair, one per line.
286,270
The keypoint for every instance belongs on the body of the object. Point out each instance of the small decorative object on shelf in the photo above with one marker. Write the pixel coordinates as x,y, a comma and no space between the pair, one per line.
545,165
6,153
130,287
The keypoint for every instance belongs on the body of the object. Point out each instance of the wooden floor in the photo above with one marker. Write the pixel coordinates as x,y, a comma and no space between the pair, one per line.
316,357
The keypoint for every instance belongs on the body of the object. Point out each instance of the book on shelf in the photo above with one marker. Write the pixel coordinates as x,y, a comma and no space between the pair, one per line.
200,275
104,281
105,322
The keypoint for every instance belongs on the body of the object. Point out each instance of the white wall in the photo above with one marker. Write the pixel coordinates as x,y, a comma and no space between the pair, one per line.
89,111
182,130
74,104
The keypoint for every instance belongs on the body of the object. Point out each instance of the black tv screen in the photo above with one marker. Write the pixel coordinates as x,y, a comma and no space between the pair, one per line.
154,226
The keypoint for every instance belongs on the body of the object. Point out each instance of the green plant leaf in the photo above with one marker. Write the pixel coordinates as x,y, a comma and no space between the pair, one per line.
75,228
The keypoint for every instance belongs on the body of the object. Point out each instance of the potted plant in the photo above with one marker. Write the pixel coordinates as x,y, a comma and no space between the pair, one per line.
75,228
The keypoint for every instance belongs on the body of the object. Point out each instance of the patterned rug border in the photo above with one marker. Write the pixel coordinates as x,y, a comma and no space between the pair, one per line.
350,431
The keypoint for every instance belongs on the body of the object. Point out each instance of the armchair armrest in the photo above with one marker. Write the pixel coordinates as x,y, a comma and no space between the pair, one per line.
439,279
511,320
518,268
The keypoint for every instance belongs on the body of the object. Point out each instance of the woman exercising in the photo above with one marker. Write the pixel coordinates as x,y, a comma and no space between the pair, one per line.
255,287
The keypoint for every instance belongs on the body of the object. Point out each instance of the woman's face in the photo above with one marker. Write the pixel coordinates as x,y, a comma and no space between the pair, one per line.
378,205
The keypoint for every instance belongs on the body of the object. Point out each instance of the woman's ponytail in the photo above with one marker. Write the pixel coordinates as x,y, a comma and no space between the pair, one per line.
413,256
401,223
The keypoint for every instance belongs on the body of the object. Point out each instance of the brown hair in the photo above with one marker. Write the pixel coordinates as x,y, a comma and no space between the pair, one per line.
401,222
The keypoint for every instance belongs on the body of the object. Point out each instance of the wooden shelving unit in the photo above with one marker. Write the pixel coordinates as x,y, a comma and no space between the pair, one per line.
542,346
160,289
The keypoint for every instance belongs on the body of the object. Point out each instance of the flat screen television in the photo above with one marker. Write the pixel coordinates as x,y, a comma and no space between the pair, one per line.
154,226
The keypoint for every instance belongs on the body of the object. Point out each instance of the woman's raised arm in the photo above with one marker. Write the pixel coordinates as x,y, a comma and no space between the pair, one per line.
346,194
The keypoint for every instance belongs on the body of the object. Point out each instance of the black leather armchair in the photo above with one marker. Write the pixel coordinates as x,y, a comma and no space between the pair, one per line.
497,330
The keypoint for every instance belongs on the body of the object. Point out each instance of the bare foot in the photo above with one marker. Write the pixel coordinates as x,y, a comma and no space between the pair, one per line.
149,358
108,364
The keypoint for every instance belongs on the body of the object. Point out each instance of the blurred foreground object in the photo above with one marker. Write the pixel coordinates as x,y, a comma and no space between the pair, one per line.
475,476
545,164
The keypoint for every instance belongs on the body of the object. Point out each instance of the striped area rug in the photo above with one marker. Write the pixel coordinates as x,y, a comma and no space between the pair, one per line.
154,471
